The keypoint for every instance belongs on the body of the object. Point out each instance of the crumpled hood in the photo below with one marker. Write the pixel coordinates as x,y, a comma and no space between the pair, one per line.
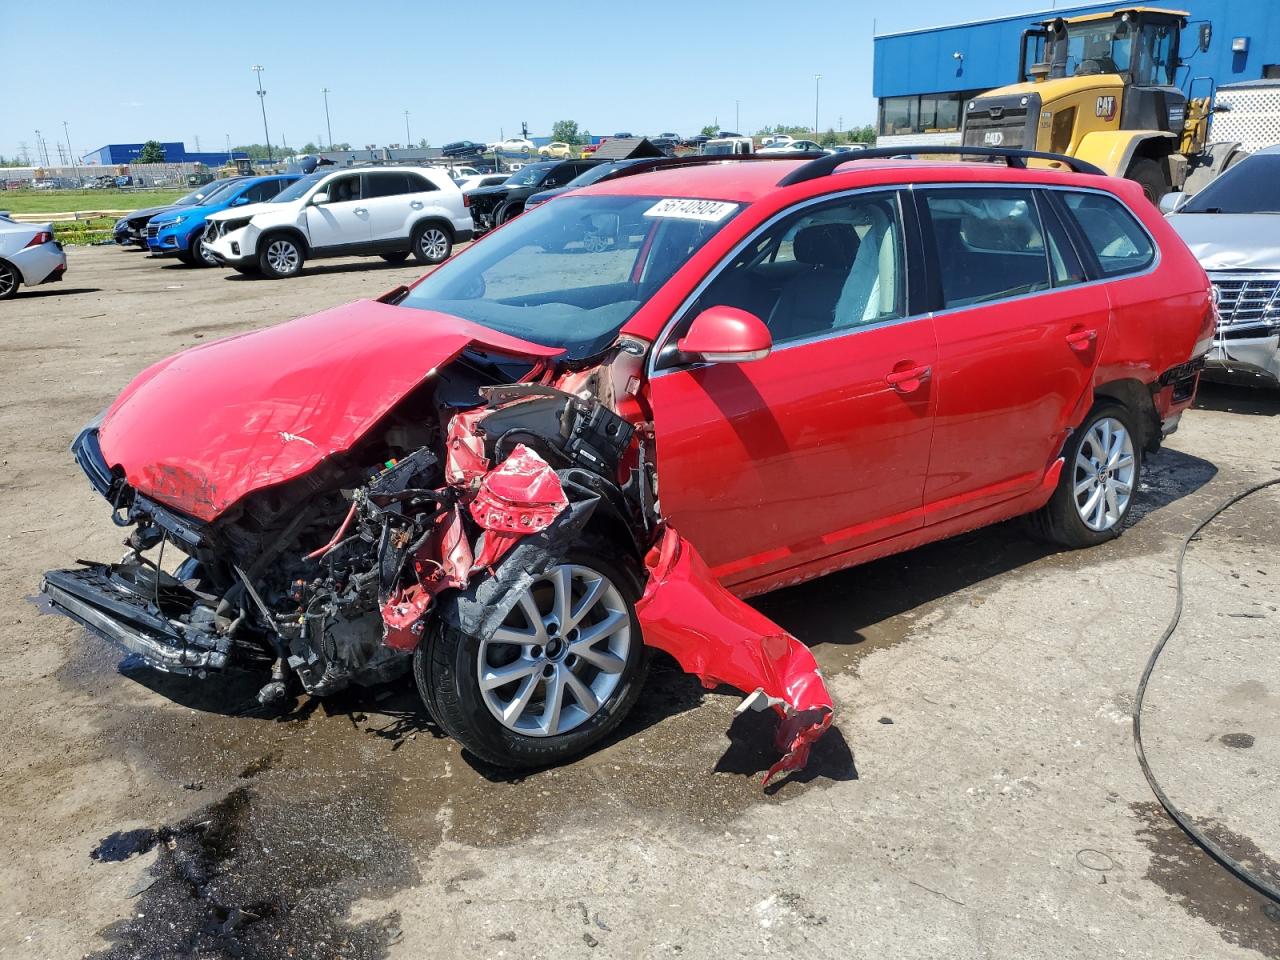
1231,241
244,210
207,426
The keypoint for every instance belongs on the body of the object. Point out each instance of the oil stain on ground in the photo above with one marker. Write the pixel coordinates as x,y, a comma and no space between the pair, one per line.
1203,888
259,878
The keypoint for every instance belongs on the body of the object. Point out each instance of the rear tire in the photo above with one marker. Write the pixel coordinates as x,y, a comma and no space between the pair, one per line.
400,256
432,244
1148,175
280,257
448,667
1099,481
10,281
247,271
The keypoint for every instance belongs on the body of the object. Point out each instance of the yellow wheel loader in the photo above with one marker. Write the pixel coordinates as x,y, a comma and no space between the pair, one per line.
1103,87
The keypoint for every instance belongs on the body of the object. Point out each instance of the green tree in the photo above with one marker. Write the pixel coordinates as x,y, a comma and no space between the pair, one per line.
566,131
152,152
829,139
309,147
710,130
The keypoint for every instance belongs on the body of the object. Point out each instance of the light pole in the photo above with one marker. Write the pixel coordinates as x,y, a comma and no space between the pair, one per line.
737,118
70,154
408,142
262,101
817,83
328,129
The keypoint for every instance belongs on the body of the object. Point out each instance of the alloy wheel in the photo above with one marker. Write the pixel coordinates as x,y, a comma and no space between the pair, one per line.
282,256
434,244
559,655
8,281
1104,474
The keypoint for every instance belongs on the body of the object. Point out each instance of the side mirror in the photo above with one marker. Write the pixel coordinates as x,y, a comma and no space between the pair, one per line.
726,335
319,198
1170,202
239,201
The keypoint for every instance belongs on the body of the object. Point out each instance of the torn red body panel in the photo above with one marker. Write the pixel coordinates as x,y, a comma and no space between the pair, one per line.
465,462
207,426
404,610
520,497
718,638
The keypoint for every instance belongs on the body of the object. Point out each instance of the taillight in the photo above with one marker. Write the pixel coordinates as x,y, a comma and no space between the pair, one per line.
466,199
44,236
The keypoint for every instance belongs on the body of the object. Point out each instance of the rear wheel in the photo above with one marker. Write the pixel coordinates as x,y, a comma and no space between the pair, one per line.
10,280
1148,175
432,244
281,257
1098,483
559,674
400,256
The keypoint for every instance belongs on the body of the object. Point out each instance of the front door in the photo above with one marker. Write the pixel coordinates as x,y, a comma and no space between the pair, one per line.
822,446
343,221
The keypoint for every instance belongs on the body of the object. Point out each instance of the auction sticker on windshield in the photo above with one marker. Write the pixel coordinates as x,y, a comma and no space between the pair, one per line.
676,208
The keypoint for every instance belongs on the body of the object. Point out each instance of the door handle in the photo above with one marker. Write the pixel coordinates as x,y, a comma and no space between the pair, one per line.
1081,339
361,211
906,376
416,204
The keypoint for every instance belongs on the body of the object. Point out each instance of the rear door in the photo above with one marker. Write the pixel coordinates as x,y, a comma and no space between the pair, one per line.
389,196
1019,335
823,445
343,221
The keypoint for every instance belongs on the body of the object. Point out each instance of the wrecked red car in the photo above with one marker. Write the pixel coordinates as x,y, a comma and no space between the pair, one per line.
513,476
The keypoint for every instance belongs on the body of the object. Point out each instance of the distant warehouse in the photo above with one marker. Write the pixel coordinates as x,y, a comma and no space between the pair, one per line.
176,152
923,78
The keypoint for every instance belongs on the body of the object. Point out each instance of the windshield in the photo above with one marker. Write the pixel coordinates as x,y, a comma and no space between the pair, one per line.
571,273
299,187
529,176
592,174
1108,46
204,193
1251,186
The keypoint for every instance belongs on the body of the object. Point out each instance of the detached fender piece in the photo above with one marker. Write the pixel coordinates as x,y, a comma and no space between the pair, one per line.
715,636
1114,150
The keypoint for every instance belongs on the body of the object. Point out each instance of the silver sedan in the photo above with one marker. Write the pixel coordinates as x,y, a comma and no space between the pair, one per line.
28,254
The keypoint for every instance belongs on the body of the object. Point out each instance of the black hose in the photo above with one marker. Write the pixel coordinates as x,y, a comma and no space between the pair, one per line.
1228,862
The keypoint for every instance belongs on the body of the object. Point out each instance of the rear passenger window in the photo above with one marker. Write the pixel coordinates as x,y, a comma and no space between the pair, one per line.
419,184
385,184
1112,232
990,244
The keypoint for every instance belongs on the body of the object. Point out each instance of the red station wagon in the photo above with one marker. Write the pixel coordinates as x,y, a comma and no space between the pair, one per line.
605,424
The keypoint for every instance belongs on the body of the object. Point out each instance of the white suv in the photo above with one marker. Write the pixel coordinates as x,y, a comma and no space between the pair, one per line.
377,211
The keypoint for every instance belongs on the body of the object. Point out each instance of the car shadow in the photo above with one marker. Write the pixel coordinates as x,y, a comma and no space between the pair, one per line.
32,293
1258,401
371,264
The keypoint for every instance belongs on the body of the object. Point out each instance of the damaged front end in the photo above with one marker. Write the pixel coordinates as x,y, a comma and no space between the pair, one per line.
446,519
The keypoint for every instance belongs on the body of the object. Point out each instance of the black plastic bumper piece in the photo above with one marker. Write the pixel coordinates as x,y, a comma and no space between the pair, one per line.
105,605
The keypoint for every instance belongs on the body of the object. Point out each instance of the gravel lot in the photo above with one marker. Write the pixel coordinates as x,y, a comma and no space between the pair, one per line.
979,798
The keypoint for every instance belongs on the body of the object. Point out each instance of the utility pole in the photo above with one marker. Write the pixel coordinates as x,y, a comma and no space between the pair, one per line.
408,141
71,153
197,140
817,83
262,100
328,129
24,153
228,148
737,119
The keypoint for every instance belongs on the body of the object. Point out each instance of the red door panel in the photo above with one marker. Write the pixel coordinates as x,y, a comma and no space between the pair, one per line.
1010,375
815,449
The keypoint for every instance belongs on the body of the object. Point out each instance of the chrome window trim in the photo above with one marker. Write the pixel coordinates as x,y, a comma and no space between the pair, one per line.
661,340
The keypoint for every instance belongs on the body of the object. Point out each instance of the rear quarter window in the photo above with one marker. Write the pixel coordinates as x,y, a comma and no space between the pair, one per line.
1118,241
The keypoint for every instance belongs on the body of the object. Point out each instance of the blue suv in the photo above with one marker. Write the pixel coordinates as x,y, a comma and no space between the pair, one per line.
180,233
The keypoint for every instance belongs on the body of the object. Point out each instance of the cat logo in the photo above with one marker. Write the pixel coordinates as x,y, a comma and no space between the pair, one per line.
993,138
1106,108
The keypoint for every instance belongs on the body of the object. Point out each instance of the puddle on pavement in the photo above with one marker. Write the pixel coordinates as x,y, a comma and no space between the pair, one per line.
1204,889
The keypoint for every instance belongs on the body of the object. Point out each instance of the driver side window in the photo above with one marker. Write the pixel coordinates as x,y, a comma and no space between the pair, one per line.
822,271
343,189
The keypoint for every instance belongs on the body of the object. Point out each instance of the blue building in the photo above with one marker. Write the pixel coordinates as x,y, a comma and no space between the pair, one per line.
175,152
923,77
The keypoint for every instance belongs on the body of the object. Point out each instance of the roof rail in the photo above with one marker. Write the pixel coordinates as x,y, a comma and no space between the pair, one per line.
663,163
826,165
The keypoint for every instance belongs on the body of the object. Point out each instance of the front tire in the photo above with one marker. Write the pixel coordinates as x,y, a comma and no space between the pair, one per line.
1148,175
1099,481
432,244
200,255
554,679
280,257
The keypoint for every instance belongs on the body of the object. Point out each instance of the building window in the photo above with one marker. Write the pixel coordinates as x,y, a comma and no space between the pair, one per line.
927,113
1271,71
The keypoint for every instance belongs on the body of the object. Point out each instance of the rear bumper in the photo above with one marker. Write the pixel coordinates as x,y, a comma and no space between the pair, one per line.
43,264
97,598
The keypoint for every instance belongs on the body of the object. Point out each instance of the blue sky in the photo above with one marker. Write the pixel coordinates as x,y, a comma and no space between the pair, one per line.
463,71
